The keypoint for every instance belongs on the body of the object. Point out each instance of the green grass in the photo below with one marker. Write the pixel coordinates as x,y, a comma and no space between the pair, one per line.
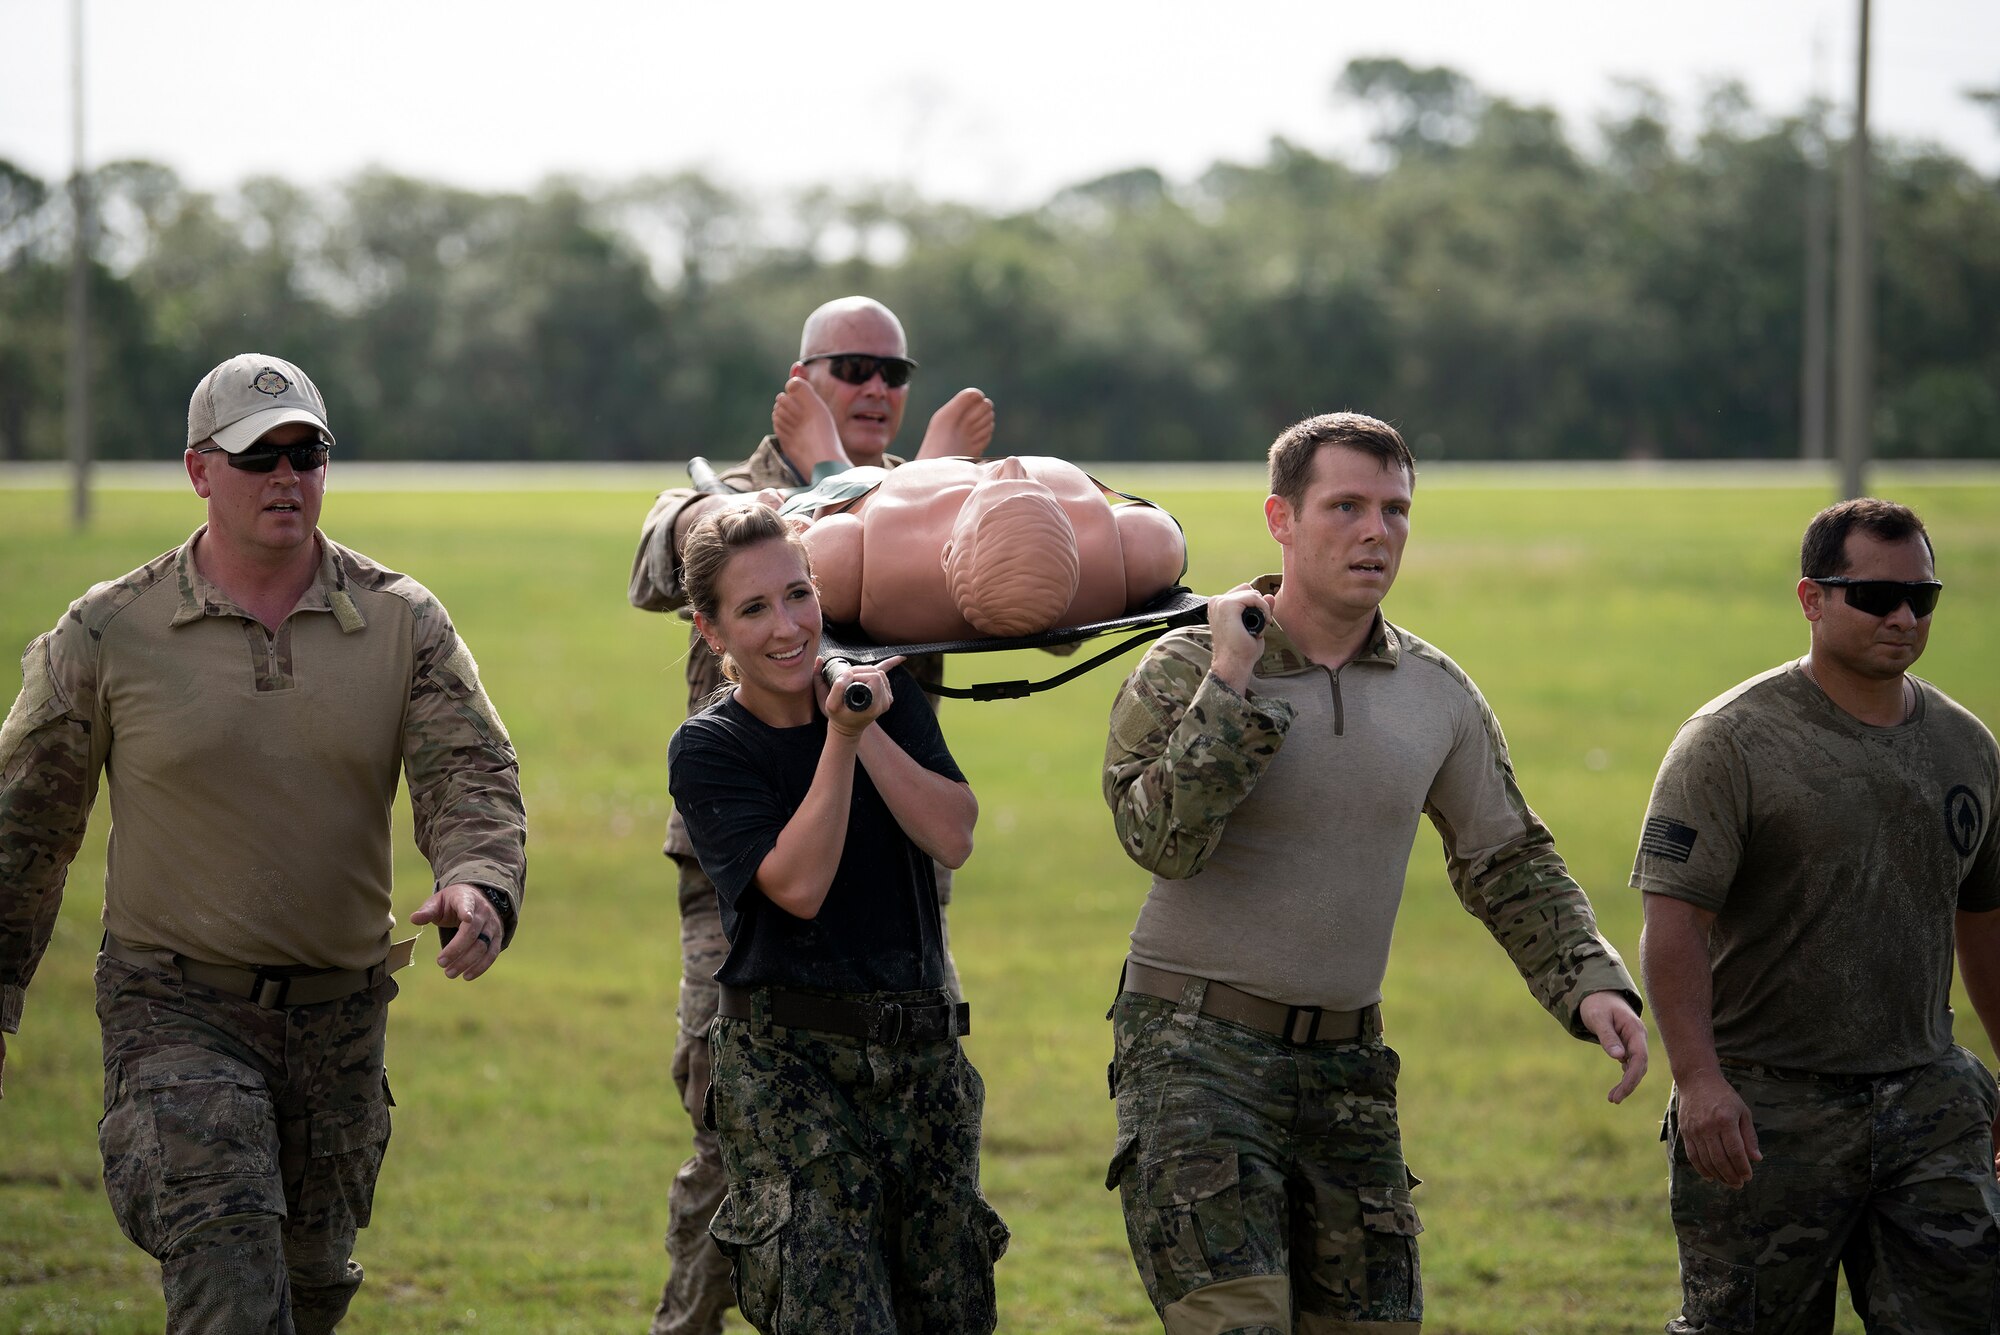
537,1129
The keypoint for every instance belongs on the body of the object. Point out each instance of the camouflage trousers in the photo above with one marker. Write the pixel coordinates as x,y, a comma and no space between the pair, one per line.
853,1205
698,1290
1263,1183
241,1145
1889,1177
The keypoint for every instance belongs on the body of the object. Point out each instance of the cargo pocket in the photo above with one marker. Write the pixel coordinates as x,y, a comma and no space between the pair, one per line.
1716,1295
347,1149
749,1230
187,1142
1195,1218
1363,1242
1392,1286
210,1124
968,1298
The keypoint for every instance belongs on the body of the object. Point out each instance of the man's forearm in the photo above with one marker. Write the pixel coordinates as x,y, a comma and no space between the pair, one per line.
1173,780
47,787
1673,955
685,518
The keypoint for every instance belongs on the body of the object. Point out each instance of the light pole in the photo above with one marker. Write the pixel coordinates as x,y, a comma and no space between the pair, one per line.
1854,406
78,407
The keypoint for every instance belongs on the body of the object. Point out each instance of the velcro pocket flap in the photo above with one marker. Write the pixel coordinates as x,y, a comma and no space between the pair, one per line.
211,1118
753,1212
1188,1178
1121,1159
1388,1210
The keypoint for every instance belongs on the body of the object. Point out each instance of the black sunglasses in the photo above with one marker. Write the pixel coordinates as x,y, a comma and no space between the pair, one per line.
1880,597
858,368
305,456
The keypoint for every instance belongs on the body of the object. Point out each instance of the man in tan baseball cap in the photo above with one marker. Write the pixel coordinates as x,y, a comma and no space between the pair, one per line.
251,698
248,395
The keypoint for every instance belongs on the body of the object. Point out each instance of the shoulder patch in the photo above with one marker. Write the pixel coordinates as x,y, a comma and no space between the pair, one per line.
461,665
1667,838
34,706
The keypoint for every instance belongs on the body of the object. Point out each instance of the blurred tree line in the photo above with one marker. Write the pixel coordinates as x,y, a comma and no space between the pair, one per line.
1497,290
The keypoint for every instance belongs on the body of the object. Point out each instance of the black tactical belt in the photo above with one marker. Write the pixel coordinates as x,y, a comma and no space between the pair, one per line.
876,1021
1294,1024
271,987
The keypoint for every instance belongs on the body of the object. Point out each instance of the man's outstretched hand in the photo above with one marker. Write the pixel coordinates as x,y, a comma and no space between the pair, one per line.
1622,1035
477,931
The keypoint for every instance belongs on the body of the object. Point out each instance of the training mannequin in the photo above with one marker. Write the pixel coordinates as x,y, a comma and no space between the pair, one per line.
956,549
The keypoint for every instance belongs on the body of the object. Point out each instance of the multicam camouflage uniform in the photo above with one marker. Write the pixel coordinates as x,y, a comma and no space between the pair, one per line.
240,1142
857,1206
1263,1181
1912,1151
697,1290
1837,859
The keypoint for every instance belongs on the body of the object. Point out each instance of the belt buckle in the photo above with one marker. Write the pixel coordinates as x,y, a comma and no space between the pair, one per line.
888,1024
1293,1014
265,995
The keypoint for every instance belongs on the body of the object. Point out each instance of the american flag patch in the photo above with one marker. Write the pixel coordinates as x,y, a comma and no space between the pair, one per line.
1667,839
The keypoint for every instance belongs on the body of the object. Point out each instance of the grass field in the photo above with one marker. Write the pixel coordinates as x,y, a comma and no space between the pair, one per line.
537,1130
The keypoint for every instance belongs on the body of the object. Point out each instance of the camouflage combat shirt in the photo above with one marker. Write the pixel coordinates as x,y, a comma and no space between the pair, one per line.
1834,855
251,773
656,587
1278,825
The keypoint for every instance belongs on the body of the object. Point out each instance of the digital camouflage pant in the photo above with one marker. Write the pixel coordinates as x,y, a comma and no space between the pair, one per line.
1889,1177
853,1205
698,1291
1263,1183
241,1146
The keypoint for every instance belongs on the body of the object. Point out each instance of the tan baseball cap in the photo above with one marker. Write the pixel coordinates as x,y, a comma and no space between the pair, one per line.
248,395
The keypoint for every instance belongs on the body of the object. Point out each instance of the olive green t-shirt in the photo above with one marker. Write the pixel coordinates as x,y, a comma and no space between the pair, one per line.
1834,856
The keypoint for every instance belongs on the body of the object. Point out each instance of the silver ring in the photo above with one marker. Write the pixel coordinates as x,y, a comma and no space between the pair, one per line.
485,940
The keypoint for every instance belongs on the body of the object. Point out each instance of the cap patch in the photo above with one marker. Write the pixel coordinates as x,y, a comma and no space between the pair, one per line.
270,382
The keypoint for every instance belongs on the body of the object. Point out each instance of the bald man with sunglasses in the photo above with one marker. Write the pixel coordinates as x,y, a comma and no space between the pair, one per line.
854,360
253,698
1820,840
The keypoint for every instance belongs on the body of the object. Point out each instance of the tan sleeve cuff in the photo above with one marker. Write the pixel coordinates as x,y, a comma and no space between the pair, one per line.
488,874
1606,974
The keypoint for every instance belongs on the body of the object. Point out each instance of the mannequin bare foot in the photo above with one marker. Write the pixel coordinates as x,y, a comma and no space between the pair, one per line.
801,421
963,428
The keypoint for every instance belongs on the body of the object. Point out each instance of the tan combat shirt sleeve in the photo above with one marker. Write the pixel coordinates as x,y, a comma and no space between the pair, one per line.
465,788
1184,750
52,750
656,567
1503,863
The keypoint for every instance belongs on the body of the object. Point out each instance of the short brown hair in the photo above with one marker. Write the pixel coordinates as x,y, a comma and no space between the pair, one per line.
716,538
1823,551
1293,452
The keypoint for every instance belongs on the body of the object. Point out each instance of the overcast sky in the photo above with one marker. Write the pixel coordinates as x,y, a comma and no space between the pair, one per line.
995,104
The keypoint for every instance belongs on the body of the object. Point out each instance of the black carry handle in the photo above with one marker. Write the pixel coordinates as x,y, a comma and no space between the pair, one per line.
859,695
1253,619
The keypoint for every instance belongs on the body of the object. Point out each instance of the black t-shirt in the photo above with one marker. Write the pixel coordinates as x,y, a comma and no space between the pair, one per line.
736,781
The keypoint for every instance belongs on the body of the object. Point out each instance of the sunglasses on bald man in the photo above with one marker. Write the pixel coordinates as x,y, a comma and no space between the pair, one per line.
858,368
1881,597
305,456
